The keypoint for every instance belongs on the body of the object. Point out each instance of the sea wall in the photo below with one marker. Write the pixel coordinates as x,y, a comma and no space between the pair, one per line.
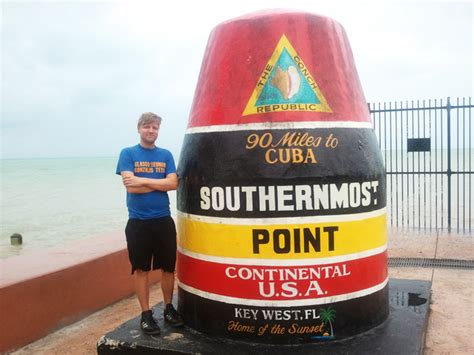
48,289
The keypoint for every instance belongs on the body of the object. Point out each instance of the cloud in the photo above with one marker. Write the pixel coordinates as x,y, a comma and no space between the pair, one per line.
76,75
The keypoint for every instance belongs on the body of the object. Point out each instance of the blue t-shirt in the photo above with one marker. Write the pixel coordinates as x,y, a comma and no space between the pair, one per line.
153,163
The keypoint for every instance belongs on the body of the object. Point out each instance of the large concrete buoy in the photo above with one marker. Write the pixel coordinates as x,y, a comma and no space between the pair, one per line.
281,202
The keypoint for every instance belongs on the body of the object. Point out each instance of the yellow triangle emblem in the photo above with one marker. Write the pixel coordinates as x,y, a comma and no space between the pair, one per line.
286,85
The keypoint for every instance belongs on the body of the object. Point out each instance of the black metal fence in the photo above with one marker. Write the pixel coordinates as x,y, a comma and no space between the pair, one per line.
428,154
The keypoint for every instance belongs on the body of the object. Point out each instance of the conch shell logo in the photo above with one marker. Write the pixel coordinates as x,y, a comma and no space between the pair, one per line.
287,82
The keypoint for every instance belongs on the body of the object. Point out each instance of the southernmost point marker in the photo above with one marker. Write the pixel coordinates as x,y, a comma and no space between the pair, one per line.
281,202
281,219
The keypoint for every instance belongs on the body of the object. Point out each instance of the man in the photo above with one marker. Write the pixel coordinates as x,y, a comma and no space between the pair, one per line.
148,172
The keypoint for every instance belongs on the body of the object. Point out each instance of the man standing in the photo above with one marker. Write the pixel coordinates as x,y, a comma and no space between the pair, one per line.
148,172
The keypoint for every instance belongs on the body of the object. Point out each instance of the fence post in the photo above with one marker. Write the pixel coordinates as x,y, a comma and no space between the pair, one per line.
448,108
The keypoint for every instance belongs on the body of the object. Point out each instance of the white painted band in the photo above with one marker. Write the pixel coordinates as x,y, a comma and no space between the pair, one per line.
280,303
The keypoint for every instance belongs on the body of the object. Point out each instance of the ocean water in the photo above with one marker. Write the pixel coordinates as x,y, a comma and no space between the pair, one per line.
51,202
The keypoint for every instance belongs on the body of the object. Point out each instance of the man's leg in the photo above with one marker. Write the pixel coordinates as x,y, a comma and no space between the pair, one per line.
140,257
166,254
167,286
142,289
170,314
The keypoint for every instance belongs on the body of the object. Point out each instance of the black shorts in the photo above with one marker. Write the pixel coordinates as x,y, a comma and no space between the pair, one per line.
151,242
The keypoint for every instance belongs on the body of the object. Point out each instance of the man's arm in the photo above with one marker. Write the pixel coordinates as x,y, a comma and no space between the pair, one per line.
140,185
133,189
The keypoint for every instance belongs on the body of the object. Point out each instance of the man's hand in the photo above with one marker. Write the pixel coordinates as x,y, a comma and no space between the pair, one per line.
140,185
134,184
132,181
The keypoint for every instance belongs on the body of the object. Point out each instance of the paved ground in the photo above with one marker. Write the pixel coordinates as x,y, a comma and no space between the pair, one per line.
451,319
450,323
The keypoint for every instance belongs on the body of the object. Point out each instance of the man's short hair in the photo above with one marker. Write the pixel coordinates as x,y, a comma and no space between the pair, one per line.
147,118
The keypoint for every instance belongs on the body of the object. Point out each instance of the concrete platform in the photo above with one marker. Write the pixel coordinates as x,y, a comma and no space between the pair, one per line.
402,333
450,321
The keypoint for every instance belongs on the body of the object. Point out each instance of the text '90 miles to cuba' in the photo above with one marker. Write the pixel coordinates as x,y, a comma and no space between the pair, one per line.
292,147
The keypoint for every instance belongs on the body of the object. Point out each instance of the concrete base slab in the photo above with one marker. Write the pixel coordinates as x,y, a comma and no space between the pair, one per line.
402,333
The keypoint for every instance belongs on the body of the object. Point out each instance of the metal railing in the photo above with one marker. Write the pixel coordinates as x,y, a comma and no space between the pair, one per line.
427,150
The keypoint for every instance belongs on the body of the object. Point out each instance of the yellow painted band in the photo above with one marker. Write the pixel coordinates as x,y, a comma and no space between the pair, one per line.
238,241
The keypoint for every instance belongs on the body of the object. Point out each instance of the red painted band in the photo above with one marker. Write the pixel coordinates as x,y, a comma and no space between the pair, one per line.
283,282
238,52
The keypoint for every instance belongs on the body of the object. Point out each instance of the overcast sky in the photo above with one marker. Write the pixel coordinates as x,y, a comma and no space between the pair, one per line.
77,74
